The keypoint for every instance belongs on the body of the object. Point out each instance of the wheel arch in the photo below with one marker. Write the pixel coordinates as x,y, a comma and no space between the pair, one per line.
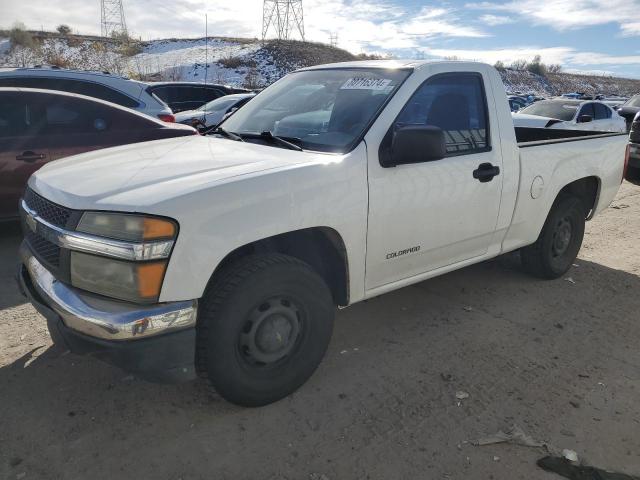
587,189
321,247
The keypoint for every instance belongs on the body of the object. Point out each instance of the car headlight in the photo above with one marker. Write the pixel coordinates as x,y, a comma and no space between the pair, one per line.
135,228
132,281
137,280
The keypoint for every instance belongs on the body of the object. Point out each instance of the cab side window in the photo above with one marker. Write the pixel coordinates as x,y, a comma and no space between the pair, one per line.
65,115
602,111
14,117
455,103
588,109
91,89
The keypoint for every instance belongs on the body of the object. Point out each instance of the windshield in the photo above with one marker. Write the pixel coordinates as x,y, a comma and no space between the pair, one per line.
633,101
322,110
552,109
219,104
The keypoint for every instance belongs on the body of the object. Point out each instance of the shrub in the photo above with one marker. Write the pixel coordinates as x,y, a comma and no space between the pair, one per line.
252,80
56,59
537,67
519,64
20,37
499,66
64,29
130,49
236,62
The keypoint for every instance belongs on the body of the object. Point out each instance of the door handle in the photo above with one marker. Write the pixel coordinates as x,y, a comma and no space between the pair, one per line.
30,156
485,172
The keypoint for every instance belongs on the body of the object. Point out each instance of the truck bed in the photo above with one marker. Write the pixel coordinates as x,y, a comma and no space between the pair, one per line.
547,164
537,136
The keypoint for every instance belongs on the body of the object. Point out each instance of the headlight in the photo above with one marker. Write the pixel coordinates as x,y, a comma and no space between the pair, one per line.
143,245
132,281
135,228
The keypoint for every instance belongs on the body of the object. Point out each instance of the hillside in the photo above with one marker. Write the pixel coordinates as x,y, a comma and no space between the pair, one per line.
230,60
243,62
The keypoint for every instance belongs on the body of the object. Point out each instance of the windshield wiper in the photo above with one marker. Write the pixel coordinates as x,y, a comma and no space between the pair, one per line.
285,142
225,133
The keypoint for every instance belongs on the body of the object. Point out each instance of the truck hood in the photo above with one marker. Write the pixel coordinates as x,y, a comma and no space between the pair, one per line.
147,173
526,120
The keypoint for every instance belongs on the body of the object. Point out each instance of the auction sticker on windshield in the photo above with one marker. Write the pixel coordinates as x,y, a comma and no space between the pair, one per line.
361,83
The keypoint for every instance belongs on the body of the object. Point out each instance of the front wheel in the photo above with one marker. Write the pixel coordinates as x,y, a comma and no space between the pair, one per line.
559,242
264,327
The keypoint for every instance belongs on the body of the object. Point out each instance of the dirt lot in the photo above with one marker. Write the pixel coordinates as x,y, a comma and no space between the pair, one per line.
560,359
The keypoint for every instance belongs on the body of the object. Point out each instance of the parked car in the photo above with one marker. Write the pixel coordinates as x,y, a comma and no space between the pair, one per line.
215,111
629,109
517,103
633,151
181,96
240,244
570,115
38,126
102,85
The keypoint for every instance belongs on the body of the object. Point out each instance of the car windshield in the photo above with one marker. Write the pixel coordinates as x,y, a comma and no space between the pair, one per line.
633,101
321,110
219,104
552,109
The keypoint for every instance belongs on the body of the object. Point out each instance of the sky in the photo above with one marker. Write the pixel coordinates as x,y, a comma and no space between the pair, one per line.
582,35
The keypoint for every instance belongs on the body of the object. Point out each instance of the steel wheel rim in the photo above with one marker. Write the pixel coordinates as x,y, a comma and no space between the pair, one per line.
562,237
271,333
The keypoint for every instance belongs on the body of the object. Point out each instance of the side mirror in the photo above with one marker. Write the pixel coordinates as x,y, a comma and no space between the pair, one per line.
417,144
585,119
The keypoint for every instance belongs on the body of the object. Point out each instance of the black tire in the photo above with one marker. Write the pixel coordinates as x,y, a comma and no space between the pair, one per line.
633,175
264,328
559,242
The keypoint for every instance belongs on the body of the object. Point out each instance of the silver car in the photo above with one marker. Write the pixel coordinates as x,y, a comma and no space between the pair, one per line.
212,113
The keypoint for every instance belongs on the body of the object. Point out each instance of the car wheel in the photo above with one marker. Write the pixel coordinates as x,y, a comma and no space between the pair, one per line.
559,242
264,327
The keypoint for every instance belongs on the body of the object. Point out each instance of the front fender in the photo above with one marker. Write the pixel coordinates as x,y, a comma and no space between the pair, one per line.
217,220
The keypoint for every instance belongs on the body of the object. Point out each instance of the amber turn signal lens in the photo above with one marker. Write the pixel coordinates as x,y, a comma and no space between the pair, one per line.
150,277
156,228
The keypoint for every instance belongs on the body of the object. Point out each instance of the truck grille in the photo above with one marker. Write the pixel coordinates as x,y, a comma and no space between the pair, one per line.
49,211
44,249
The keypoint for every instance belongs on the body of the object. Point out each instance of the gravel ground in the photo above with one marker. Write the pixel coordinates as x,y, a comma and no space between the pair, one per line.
559,359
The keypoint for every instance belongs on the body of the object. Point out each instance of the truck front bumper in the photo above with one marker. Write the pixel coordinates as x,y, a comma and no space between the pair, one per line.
154,342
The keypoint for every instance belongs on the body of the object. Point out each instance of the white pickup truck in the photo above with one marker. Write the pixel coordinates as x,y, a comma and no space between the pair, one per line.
225,255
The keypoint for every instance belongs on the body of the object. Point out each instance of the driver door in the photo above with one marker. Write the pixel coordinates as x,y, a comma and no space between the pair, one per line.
424,216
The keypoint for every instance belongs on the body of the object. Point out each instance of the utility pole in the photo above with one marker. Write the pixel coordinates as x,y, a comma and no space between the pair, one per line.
284,16
112,18
206,48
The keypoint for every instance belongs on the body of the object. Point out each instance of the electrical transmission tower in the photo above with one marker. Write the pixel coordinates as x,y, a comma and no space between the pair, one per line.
333,39
285,16
112,18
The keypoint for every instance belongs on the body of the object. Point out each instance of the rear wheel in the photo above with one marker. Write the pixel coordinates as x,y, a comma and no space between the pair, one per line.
264,327
559,242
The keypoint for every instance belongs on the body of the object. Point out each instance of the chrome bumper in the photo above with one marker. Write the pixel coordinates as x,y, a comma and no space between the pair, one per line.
108,319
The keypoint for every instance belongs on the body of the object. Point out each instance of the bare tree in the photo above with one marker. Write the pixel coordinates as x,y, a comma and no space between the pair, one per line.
519,64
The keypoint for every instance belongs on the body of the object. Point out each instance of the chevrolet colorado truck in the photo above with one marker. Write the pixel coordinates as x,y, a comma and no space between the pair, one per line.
226,255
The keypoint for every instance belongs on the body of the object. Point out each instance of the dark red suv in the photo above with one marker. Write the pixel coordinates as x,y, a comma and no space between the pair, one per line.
38,126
